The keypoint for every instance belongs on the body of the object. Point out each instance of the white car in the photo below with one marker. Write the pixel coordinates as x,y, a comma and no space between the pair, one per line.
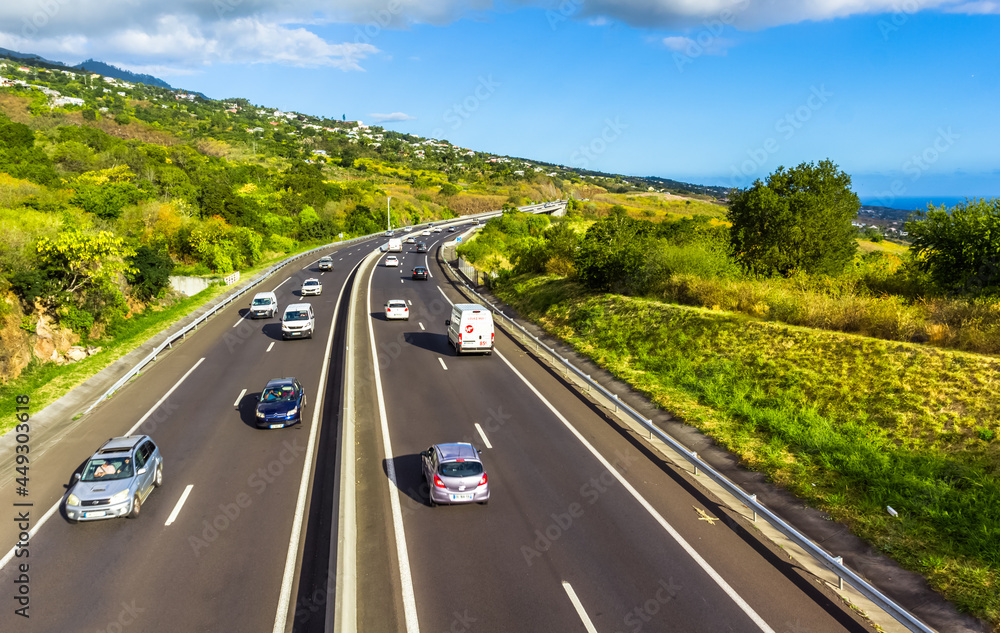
437,229
391,260
396,309
426,233
311,286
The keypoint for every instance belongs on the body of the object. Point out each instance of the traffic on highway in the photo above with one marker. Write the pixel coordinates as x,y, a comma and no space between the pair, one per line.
357,447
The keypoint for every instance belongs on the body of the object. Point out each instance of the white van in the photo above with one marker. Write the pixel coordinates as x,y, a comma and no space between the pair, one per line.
298,321
395,245
264,304
470,328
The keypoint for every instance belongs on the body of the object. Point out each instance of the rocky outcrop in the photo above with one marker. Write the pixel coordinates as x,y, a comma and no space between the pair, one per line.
48,342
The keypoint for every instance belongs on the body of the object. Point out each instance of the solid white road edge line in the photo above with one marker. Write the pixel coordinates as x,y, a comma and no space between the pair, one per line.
587,623
405,579
345,602
55,507
714,575
236,404
443,366
288,576
165,396
482,434
180,504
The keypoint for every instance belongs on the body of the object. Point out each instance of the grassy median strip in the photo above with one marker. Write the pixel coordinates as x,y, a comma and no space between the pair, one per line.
849,423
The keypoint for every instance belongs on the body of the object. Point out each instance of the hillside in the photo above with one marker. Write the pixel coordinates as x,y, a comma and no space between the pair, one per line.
110,182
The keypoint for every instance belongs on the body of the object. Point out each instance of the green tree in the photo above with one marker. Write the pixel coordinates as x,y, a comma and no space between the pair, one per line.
612,252
800,219
77,261
152,272
959,247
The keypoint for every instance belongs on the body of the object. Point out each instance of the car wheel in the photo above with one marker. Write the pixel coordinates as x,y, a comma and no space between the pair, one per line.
158,480
482,503
136,507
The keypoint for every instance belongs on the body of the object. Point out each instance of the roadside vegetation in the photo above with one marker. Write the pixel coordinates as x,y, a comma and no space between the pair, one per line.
859,377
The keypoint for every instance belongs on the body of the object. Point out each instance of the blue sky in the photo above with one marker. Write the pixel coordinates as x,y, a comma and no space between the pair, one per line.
902,95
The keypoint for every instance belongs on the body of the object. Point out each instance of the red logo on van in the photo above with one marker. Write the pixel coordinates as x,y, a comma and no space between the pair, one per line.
468,329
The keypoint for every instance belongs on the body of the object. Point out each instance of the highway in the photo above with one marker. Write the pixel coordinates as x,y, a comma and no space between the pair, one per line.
586,529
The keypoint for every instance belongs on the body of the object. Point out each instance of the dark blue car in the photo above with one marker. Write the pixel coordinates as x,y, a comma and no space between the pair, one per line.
280,403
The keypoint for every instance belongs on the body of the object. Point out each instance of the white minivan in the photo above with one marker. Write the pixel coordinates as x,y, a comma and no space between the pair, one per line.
298,321
470,328
264,304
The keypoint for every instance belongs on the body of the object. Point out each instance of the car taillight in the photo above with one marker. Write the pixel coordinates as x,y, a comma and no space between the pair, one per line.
482,482
460,337
491,337
438,482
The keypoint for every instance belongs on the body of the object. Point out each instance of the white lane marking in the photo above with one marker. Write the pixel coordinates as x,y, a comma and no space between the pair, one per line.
281,284
55,506
180,504
288,576
450,302
400,281
269,347
580,611
242,318
409,301
405,577
482,434
236,404
708,569
421,325
443,366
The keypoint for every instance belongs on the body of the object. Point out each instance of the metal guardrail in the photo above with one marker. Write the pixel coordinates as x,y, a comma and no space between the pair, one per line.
183,332
628,414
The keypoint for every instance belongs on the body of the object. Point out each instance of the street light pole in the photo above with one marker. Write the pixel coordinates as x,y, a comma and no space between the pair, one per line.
388,222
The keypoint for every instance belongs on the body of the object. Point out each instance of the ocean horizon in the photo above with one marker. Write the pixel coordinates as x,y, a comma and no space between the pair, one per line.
911,203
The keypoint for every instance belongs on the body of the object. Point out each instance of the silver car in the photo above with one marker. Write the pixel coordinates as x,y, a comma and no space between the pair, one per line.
116,480
455,474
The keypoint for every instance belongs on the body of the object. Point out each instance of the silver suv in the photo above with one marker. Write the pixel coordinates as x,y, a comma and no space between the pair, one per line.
116,480
454,474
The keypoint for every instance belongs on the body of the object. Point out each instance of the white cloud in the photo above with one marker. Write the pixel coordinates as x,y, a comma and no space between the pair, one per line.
193,33
710,45
395,116
980,7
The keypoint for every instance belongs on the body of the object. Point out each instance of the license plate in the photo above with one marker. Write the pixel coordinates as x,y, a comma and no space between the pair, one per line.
98,513
463,497
277,426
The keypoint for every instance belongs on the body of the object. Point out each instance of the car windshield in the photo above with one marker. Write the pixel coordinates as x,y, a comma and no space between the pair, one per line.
106,468
297,315
460,469
284,393
262,302
311,283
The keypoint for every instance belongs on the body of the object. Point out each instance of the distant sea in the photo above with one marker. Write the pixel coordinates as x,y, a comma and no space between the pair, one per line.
911,203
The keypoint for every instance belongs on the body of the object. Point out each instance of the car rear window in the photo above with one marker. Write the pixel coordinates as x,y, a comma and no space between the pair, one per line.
397,304
460,469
